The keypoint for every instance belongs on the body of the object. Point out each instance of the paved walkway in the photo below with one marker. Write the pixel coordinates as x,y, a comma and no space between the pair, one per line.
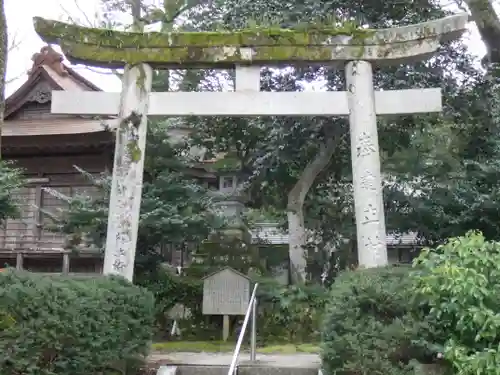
297,360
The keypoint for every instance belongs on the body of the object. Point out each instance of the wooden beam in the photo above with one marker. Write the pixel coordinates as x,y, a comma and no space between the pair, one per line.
36,229
249,103
19,261
65,266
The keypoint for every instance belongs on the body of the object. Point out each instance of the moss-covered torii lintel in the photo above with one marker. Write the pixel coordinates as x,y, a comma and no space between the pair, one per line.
266,46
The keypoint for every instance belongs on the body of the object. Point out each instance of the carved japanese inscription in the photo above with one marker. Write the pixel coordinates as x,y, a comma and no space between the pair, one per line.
365,145
370,214
368,181
377,247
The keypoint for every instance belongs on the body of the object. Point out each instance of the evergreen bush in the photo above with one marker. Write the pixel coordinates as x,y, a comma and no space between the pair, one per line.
11,181
291,314
457,290
55,325
367,328
168,290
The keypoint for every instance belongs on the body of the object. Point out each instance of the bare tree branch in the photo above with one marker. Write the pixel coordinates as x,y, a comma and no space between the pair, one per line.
82,12
111,72
460,4
14,42
488,24
87,22
77,21
8,81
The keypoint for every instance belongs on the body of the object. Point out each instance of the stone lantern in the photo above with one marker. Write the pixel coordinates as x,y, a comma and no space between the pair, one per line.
229,198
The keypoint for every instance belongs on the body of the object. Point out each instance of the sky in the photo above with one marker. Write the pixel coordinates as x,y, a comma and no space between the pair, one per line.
20,25
19,19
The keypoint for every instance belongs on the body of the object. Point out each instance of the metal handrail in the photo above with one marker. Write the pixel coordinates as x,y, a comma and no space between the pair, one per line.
251,310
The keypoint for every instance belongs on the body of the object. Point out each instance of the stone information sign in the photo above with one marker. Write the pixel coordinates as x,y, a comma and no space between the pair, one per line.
226,292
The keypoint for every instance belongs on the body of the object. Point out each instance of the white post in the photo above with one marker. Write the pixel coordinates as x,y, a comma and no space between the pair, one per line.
126,188
367,181
253,337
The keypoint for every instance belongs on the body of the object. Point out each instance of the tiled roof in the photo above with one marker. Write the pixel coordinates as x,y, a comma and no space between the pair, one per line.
273,235
49,71
17,128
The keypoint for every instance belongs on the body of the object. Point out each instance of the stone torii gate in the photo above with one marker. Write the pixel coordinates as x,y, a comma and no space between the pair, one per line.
358,50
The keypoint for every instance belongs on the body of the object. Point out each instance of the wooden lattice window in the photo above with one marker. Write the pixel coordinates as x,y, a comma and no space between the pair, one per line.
54,206
29,231
19,233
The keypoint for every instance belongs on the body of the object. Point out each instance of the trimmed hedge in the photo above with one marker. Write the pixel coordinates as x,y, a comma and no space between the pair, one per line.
367,327
60,325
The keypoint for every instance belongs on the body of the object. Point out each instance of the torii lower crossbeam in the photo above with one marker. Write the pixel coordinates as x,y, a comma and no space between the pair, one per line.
249,103
361,103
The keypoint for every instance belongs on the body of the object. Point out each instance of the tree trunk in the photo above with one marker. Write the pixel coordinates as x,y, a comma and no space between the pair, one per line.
296,243
295,209
488,24
4,49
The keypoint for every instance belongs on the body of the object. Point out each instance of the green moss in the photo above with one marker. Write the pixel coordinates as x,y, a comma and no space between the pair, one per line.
55,31
141,79
221,56
308,43
113,48
129,128
134,151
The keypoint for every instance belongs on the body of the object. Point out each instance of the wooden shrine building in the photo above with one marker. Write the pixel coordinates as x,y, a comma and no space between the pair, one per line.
47,147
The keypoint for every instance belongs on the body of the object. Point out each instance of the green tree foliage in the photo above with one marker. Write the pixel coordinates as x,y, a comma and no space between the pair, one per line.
457,286
451,187
175,210
170,289
291,314
221,251
443,312
11,180
59,325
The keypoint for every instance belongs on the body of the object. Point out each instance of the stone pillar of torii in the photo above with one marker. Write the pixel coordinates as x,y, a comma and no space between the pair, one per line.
361,103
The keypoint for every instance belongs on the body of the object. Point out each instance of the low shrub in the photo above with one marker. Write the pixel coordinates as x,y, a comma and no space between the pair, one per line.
169,290
457,287
287,314
367,327
291,314
55,325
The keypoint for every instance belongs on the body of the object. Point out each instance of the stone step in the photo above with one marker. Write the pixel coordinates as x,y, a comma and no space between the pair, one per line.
254,369
218,364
